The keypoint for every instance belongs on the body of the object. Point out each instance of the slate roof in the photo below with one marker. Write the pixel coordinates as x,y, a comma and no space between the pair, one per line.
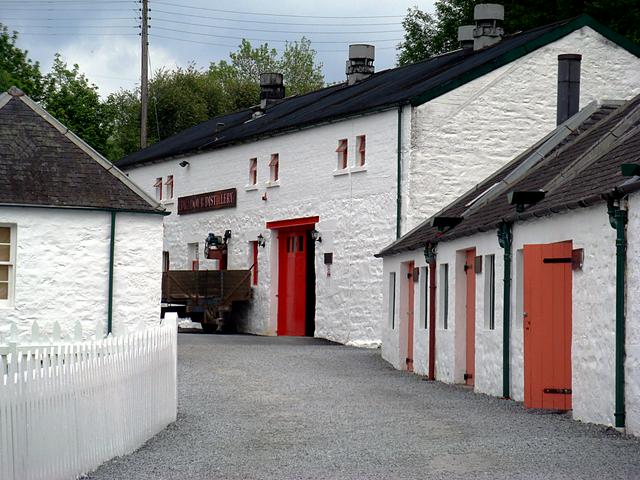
43,164
412,84
582,170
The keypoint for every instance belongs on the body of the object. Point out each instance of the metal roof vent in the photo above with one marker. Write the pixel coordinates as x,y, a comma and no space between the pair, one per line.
360,63
271,89
465,36
489,18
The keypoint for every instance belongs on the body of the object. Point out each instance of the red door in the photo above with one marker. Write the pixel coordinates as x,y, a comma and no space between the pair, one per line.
469,268
547,326
410,297
292,282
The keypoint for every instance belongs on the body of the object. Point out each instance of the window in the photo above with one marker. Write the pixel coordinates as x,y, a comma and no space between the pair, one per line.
193,251
158,187
274,168
392,299
169,187
165,261
7,260
444,299
343,154
490,292
424,296
253,171
362,147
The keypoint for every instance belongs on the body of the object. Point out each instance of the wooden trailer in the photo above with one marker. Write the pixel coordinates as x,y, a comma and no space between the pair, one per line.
207,296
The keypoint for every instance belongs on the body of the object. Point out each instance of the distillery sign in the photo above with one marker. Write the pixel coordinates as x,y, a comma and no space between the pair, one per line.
203,202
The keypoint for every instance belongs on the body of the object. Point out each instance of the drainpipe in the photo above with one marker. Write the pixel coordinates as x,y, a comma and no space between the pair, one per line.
505,239
112,246
399,182
618,219
430,257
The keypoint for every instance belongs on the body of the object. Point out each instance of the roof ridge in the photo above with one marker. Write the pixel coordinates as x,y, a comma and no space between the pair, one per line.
90,151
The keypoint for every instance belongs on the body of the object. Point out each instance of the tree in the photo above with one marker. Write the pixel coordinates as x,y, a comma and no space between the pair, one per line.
70,98
427,35
16,68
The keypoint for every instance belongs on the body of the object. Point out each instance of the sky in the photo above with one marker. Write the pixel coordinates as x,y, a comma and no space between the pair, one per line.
102,36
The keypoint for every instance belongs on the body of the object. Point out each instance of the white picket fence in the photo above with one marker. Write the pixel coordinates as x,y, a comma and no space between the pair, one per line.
66,409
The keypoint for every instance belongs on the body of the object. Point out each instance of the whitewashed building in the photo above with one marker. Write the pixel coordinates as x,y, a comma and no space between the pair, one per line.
521,283
78,240
361,163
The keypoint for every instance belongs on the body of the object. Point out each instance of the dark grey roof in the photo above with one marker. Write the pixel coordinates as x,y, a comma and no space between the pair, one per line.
580,171
415,84
42,164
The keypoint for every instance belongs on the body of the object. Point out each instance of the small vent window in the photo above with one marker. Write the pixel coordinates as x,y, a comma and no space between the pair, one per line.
490,292
444,298
253,171
343,154
392,299
169,187
158,188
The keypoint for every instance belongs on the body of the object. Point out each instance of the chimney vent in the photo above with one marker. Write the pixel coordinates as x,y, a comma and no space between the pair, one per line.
271,89
360,63
465,36
568,86
488,31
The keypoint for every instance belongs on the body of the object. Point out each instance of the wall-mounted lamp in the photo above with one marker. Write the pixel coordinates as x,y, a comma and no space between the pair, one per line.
430,253
227,235
261,241
315,235
184,163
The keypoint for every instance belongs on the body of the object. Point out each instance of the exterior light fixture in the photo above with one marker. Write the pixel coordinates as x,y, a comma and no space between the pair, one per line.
227,236
315,235
523,199
442,223
261,240
430,252
184,163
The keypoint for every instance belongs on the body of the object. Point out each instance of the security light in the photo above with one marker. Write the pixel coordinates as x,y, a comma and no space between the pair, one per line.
184,163
445,222
523,199
261,240
315,235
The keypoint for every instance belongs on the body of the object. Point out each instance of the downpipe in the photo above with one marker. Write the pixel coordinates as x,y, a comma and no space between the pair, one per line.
430,257
112,247
505,239
618,218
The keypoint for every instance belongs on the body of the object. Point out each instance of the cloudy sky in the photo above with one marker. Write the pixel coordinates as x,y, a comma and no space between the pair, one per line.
102,36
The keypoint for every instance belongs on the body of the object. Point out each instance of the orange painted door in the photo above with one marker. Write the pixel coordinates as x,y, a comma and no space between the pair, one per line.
410,297
470,310
292,282
547,326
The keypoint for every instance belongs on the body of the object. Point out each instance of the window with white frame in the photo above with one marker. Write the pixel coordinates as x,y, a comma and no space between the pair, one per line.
444,296
158,188
253,171
361,145
274,168
424,297
392,299
7,263
343,154
169,187
490,292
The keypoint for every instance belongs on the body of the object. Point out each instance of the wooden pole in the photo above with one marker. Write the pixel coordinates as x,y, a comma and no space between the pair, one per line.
144,77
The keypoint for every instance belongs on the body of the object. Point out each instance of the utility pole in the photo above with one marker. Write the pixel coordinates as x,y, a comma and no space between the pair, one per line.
144,77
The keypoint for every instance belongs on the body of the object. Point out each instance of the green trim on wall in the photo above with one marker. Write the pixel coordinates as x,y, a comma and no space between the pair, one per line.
508,57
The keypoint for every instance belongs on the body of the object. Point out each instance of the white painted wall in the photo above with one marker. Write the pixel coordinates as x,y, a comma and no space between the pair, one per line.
357,214
459,138
62,267
632,364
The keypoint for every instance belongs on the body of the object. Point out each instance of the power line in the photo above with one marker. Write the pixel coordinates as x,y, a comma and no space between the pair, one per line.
271,31
271,39
74,26
159,2
298,24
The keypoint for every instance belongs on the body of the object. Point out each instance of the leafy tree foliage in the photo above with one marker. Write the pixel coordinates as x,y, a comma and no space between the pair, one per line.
16,68
427,35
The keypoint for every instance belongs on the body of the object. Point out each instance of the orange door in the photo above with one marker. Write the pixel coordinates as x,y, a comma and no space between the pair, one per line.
410,297
292,282
547,326
471,317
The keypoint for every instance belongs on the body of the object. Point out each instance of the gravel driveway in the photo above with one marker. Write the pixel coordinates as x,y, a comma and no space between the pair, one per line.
299,408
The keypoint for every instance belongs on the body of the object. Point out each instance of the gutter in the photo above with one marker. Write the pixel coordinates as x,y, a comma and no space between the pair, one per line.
112,246
163,212
505,239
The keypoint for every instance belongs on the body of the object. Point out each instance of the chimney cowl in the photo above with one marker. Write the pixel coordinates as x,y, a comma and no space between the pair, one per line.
271,89
488,31
360,63
465,36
